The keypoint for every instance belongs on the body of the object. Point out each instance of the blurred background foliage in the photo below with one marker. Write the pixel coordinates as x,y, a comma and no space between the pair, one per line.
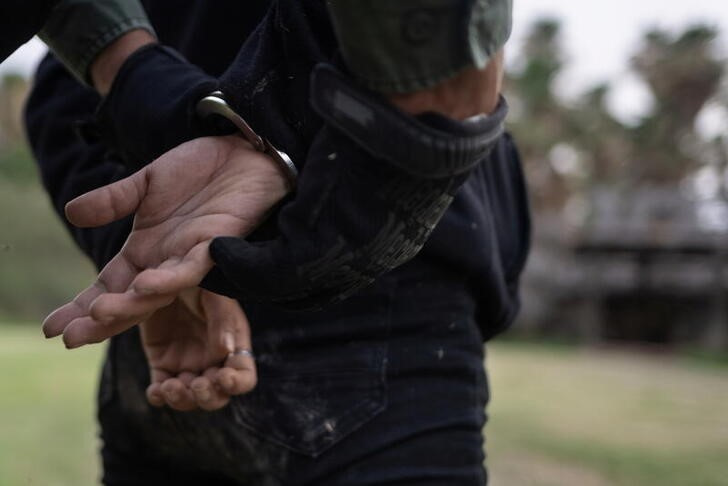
630,217
39,265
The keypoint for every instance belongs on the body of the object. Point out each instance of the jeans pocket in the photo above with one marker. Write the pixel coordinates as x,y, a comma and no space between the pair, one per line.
323,384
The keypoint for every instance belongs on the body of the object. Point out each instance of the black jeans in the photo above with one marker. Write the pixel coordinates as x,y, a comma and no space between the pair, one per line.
386,388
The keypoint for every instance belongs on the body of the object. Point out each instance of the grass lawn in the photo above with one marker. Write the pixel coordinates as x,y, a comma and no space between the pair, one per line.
47,430
586,417
559,416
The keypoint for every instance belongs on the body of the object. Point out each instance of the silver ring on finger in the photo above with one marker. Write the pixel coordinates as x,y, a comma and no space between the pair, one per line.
242,352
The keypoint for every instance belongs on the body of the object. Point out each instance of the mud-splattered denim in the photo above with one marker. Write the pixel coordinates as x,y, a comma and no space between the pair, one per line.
387,388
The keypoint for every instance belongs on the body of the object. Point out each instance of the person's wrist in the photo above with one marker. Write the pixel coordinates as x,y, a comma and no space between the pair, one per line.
471,92
106,66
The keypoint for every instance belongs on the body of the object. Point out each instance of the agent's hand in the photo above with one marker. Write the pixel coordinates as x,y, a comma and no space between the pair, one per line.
191,348
204,188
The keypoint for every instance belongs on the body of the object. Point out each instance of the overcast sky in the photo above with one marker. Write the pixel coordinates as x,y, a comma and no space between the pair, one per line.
599,36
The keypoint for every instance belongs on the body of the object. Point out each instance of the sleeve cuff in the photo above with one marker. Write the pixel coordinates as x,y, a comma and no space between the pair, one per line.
78,31
429,146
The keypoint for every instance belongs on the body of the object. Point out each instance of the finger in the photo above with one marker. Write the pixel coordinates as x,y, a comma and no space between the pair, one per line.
110,315
56,322
175,275
239,375
177,395
86,330
236,382
128,306
155,397
188,397
186,377
115,277
109,203
228,328
208,397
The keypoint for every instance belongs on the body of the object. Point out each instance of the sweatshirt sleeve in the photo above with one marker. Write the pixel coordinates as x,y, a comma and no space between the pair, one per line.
68,165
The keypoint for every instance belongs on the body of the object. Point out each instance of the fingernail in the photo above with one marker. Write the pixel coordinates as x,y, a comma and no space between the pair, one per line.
141,291
229,341
45,328
68,344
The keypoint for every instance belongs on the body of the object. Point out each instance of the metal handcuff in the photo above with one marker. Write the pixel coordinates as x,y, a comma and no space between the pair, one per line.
215,104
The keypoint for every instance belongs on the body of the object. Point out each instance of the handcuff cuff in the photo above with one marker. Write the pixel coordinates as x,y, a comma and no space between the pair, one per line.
215,104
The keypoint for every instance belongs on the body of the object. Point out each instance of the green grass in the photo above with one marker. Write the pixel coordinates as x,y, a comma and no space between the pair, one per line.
47,425
607,417
559,416
40,268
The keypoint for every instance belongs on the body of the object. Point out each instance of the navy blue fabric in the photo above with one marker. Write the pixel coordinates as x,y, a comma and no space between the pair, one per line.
329,247
387,387
21,20
151,106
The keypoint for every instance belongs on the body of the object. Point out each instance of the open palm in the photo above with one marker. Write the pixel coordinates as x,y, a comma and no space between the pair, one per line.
208,187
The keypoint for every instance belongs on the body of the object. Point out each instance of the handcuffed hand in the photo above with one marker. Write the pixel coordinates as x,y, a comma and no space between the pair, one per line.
204,188
191,347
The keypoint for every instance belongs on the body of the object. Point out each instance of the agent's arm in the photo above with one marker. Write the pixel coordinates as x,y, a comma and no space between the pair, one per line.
426,55
79,31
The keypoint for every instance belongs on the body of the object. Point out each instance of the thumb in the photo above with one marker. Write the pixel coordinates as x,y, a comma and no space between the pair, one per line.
109,203
227,324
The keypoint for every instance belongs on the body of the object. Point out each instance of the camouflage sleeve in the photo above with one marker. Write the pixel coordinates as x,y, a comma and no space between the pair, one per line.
78,30
399,46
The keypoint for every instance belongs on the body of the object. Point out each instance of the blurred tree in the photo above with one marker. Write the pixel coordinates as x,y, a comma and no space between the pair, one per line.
540,124
543,62
611,190
683,72
16,163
